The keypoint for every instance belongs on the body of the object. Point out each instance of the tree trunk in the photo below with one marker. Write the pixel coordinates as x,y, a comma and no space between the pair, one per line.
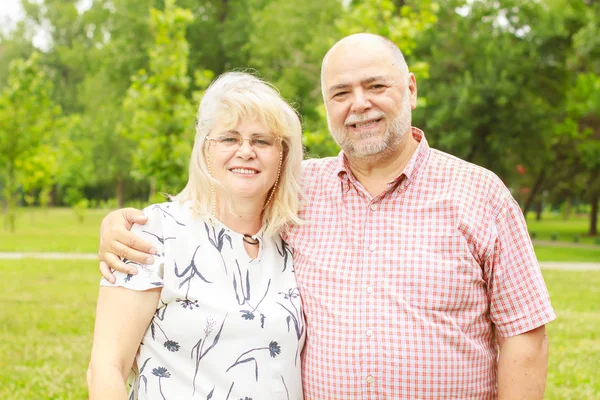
538,210
5,214
534,191
121,192
594,199
398,4
594,215
11,198
567,210
152,189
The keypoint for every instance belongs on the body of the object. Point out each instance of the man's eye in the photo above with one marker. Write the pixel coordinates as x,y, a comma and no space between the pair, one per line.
340,94
377,86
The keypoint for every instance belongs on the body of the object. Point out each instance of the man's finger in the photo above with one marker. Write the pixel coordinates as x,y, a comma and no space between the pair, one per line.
115,263
136,243
134,216
131,254
107,273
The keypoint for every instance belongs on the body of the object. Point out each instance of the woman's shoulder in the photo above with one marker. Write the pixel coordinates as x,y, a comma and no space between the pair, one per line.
170,212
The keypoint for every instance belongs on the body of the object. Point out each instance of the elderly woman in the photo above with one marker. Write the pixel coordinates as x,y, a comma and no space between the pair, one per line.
217,314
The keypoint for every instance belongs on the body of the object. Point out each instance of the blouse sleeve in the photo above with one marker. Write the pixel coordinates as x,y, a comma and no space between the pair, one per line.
149,276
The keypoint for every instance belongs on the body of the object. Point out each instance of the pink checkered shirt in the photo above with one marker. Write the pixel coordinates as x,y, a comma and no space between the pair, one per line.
401,290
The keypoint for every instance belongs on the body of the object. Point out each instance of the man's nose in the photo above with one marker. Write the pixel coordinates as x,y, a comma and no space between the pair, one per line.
360,101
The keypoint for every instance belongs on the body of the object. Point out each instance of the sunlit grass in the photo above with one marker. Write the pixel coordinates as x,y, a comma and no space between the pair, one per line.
47,310
564,231
565,254
573,372
55,229
46,323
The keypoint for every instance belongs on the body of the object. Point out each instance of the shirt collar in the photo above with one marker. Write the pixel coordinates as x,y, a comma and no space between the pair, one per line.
343,172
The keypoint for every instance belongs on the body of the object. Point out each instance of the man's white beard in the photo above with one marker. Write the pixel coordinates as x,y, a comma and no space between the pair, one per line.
394,132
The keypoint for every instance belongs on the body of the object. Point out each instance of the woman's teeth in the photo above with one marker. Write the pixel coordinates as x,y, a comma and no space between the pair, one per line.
244,171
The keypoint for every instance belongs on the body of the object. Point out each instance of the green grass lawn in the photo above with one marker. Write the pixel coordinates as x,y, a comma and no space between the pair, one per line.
46,322
551,253
47,310
573,372
565,230
56,229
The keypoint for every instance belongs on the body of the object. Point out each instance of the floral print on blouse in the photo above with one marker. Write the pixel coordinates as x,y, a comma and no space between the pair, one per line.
226,326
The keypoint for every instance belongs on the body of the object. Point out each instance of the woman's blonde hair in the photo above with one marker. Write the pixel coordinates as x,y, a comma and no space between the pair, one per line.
231,97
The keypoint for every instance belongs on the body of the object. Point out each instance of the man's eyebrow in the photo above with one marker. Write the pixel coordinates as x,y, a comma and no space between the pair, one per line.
368,80
375,78
338,87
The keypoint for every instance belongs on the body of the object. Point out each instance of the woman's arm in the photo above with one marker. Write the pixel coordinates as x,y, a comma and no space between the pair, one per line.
122,317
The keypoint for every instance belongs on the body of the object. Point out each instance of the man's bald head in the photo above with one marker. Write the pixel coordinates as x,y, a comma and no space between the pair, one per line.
358,41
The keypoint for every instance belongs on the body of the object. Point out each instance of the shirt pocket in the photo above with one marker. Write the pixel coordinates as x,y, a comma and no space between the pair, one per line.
437,272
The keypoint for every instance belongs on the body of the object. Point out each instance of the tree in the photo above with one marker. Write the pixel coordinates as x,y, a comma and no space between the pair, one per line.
161,115
27,117
492,85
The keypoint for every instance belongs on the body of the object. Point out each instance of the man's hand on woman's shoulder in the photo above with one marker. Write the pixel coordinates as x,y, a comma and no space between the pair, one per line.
117,241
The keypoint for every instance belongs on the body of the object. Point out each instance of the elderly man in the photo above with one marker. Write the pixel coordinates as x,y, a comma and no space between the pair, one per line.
414,266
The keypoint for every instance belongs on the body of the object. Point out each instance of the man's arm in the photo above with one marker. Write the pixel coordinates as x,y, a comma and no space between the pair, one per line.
523,365
122,317
116,241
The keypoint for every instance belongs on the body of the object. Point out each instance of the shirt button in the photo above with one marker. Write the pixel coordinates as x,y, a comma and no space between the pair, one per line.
369,289
369,333
372,247
373,207
369,379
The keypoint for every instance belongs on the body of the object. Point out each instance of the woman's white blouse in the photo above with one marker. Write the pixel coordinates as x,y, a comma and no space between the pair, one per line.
226,326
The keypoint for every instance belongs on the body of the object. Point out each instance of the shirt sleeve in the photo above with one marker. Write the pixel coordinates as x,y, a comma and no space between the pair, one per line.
149,276
519,299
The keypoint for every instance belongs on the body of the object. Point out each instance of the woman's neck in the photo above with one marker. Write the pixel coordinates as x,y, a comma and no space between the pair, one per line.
244,216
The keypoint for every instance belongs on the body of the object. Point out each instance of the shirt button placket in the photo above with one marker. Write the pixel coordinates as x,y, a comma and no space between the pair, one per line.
371,261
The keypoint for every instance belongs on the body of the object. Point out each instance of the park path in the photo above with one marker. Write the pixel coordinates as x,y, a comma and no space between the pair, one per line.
567,266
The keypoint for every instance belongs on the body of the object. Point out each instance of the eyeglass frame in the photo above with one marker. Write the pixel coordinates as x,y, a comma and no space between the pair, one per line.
278,139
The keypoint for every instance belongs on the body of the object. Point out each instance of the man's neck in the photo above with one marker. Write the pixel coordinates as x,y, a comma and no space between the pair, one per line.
374,174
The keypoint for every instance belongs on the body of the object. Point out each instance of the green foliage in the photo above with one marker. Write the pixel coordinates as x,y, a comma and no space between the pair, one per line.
44,197
161,115
402,25
318,142
27,118
14,45
288,54
490,85
501,83
80,208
